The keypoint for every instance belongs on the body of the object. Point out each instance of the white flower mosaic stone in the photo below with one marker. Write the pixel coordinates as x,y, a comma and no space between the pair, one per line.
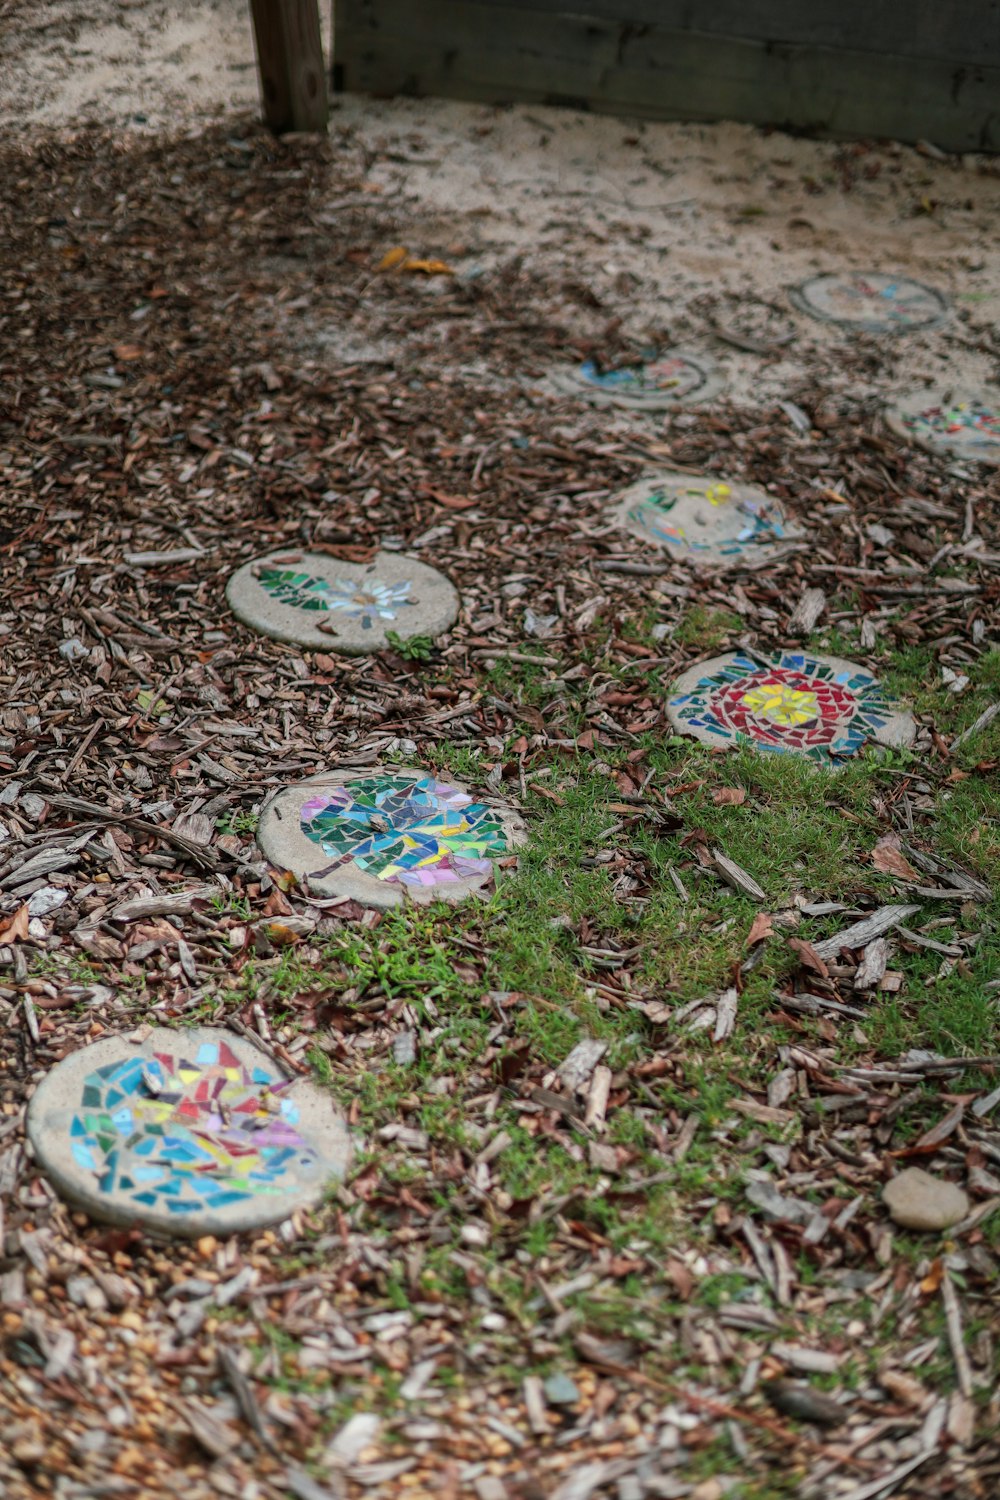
318,601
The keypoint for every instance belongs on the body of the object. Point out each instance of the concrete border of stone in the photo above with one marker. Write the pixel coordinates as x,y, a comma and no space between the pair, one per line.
57,1098
964,450
899,730
572,382
691,513
432,611
285,846
800,298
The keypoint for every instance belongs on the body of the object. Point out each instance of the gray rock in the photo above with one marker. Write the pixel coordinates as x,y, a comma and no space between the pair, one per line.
104,1142
560,1390
313,600
916,1200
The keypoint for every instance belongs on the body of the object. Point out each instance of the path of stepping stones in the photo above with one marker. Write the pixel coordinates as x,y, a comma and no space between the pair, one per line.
190,1132
870,301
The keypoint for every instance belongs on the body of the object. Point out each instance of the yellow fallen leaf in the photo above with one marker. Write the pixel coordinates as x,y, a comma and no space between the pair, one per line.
428,267
393,258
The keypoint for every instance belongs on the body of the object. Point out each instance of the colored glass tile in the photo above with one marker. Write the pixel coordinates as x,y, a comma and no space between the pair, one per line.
785,707
366,600
409,831
205,1140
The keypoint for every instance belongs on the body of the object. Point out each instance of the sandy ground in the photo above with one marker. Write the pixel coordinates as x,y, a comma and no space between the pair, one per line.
673,228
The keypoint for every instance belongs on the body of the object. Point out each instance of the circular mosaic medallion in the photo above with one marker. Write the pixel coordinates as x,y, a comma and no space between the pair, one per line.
654,383
384,836
707,522
966,427
310,599
871,301
819,706
190,1132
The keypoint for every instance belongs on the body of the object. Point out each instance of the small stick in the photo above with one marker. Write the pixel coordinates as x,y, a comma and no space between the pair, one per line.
597,1098
953,1318
986,717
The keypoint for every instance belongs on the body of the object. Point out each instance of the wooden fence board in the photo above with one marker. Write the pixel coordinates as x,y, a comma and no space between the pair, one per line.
504,50
949,30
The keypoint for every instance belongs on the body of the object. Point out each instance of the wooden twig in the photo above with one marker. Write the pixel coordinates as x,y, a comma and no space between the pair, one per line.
953,1318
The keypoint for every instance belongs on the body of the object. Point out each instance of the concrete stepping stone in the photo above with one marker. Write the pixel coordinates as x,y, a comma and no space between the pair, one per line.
706,521
190,1132
313,600
964,425
870,301
657,382
386,835
792,703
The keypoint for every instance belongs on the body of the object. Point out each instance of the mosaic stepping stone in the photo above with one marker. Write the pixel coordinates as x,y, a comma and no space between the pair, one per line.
310,599
387,835
189,1133
965,426
821,707
657,382
870,301
707,522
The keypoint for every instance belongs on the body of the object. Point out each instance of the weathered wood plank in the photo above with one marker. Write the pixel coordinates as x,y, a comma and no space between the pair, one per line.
957,31
501,52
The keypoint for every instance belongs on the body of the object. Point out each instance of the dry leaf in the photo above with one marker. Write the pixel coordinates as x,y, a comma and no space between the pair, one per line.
729,796
127,352
681,1277
904,1388
933,1279
393,258
15,928
428,267
932,1139
450,502
886,857
809,958
760,929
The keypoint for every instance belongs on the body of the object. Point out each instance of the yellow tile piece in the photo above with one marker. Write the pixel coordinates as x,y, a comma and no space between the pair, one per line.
788,708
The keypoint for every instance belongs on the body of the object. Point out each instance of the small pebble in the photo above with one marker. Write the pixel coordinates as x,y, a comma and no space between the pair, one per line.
561,1391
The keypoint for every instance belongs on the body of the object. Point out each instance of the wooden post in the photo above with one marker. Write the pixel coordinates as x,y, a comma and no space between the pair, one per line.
290,63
